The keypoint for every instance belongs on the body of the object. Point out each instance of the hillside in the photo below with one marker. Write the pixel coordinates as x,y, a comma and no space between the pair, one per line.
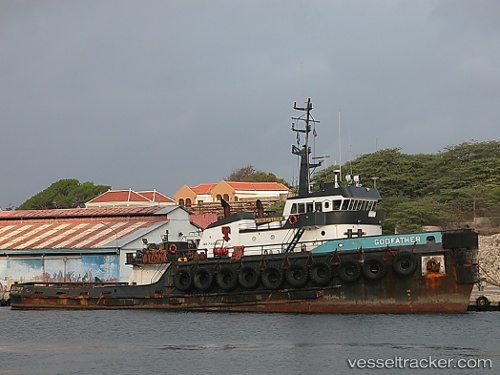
457,186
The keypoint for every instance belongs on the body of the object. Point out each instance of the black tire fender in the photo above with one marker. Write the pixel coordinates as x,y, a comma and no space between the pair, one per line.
482,302
227,278
249,277
405,263
203,279
320,273
297,275
183,279
272,277
374,268
349,270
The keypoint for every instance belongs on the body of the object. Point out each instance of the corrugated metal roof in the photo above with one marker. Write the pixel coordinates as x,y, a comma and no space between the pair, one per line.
79,212
70,233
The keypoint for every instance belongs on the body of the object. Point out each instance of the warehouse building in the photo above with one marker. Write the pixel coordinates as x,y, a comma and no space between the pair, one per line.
84,243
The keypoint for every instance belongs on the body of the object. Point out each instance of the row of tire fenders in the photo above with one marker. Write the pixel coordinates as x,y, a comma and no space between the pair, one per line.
296,275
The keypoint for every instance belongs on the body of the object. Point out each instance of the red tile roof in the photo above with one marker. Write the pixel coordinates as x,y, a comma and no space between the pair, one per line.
257,186
155,196
119,196
202,188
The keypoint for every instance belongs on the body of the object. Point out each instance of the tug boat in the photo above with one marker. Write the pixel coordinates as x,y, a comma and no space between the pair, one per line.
309,219
325,254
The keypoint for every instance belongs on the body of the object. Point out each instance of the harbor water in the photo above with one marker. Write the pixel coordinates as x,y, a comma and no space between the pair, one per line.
159,342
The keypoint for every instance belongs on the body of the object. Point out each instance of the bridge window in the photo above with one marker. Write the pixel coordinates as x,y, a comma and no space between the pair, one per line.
301,208
310,206
317,206
327,205
337,204
345,204
293,210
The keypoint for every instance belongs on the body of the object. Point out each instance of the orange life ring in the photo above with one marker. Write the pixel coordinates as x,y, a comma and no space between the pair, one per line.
293,219
220,251
172,248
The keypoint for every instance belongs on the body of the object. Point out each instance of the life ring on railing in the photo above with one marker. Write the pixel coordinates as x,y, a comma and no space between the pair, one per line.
220,251
172,248
293,219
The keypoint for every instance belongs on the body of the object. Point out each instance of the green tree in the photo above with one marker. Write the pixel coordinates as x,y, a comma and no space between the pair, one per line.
66,193
248,173
448,189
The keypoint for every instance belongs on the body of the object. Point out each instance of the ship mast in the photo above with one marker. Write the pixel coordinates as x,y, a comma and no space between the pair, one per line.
305,164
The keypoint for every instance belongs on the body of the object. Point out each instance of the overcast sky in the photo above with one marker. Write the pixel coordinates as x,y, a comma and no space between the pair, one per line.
158,94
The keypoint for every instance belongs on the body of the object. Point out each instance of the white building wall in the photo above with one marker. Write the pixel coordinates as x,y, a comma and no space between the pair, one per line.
179,229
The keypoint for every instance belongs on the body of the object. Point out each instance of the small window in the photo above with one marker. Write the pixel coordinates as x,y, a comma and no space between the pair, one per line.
345,204
352,204
317,206
302,208
181,202
293,210
337,204
188,202
226,197
327,205
219,197
310,207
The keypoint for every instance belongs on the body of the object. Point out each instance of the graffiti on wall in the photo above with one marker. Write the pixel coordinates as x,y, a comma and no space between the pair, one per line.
59,269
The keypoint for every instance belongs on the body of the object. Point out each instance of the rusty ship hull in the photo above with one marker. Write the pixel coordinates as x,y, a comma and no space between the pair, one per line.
430,278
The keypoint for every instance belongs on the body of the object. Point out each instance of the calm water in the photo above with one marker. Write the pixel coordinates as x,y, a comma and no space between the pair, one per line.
158,342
